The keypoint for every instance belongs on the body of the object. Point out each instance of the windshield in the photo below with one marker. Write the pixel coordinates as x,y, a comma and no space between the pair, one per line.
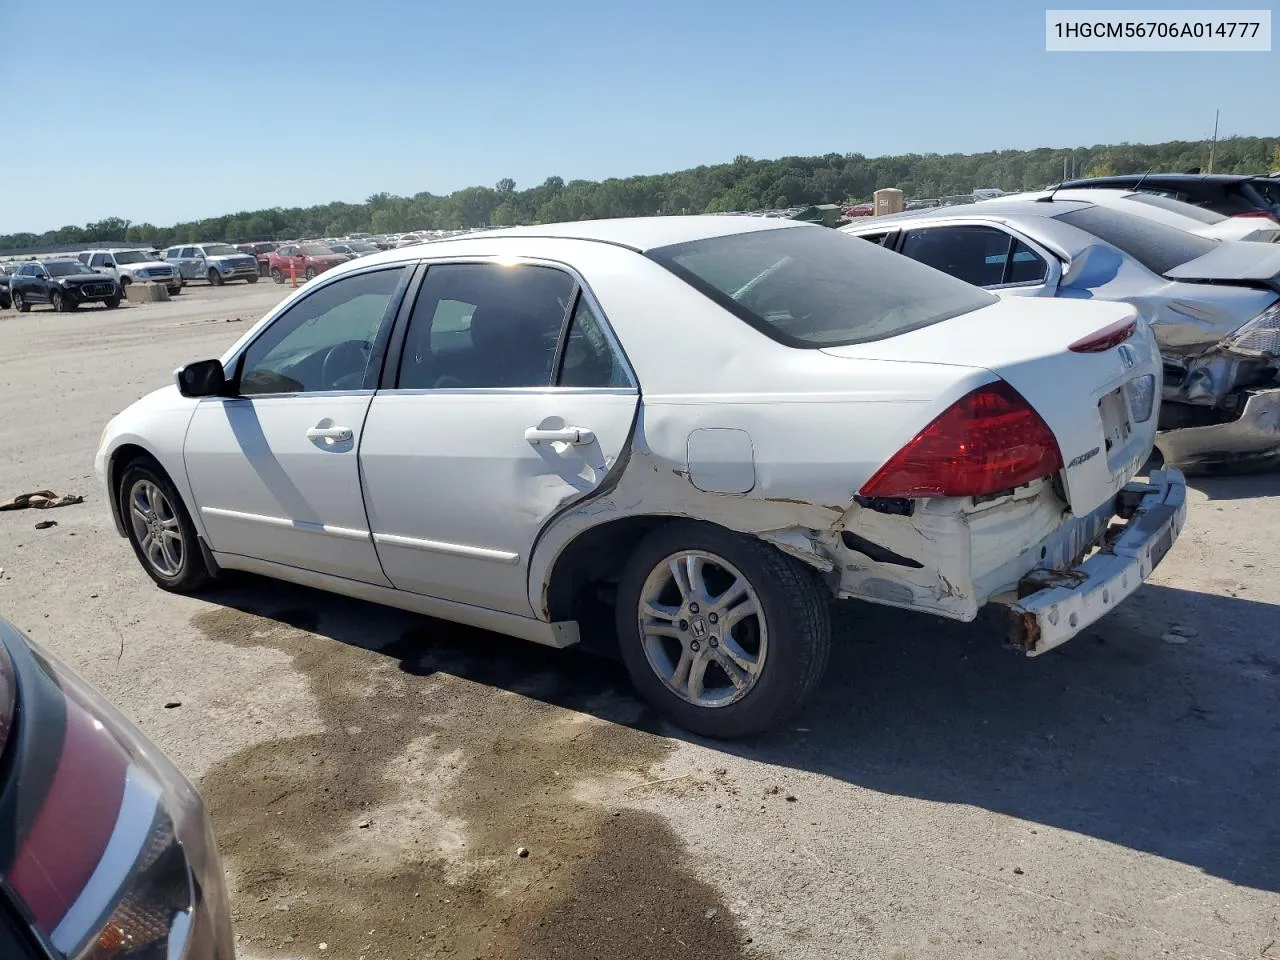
65,268
132,256
815,287
220,250
1157,247
316,250
1202,214
362,247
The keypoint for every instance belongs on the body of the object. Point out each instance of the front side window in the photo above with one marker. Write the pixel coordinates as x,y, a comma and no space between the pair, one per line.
810,286
188,253
99,260
325,341
480,325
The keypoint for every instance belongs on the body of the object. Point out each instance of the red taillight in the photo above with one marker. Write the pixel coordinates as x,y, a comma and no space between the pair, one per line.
1100,341
987,441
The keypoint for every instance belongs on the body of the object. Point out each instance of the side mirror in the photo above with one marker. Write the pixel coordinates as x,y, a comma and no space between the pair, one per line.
204,378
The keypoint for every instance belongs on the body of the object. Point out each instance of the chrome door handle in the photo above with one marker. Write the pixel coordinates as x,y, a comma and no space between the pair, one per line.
562,435
336,434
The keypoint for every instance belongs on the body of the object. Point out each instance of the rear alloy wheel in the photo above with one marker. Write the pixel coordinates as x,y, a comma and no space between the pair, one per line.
722,634
276,275
311,273
159,528
215,278
20,303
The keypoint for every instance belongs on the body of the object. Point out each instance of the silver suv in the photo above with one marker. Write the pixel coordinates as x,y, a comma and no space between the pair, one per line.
215,262
129,266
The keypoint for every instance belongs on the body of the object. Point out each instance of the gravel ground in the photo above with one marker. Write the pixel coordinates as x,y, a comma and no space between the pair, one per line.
372,774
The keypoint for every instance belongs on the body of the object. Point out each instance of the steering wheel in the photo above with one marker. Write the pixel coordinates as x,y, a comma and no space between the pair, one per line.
344,365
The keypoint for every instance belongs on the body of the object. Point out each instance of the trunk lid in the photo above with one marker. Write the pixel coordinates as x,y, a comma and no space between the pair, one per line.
1089,400
1233,261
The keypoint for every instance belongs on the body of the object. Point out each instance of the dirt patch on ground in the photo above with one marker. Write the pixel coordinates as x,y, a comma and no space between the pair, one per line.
395,832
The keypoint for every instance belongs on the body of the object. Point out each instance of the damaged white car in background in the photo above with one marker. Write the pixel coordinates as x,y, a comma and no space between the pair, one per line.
1214,305
691,431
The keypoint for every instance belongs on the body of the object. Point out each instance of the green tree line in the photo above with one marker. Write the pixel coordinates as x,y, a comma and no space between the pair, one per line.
744,184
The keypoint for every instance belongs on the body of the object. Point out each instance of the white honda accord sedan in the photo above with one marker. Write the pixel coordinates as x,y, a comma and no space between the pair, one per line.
702,428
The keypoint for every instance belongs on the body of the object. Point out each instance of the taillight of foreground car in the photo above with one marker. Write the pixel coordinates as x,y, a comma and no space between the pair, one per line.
156,891
987,441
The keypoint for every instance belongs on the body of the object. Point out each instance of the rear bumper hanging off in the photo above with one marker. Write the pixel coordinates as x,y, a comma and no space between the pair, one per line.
1059,604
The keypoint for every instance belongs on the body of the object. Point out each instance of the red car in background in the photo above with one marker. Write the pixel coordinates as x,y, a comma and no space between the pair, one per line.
305,260
261,252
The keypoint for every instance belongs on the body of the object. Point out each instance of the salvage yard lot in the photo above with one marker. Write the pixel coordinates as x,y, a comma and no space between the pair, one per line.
371,774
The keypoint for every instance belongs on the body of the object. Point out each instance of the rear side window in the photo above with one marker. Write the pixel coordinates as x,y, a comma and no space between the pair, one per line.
975,255
816,287
485,326
1202,214
1157,247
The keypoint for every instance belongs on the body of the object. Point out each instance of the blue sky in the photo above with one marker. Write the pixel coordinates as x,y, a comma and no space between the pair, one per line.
234,105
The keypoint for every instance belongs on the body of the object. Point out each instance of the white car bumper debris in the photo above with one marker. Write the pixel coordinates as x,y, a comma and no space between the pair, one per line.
1068,601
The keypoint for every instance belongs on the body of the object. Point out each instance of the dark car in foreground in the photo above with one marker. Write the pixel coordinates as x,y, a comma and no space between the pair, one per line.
1231,195
5,299
63,284
106,852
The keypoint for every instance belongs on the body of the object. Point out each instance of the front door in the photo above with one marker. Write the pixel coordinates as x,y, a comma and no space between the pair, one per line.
498,419
273,466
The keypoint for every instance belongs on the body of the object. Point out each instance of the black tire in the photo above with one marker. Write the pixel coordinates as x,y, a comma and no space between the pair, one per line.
795,610
276,275
59,303
215,278
125,281
5,302
311,273
253,279
20,303
192,573
174,291
111,302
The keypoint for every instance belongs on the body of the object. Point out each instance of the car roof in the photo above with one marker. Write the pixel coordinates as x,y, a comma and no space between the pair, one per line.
1023,205
1128,179
637,233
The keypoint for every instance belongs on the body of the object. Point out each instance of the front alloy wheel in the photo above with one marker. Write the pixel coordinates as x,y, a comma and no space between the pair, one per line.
157,528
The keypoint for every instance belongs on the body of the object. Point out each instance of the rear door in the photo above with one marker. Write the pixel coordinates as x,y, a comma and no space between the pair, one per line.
510,402
187,263
274,467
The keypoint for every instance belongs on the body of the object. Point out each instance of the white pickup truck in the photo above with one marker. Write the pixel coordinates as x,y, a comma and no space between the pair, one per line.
133,266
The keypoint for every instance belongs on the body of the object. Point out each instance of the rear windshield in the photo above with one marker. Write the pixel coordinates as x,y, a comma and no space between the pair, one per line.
1157,247
816,287
1177,206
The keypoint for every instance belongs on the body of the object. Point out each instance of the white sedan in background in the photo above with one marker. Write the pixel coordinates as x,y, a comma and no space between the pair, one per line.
699,428
1158,208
